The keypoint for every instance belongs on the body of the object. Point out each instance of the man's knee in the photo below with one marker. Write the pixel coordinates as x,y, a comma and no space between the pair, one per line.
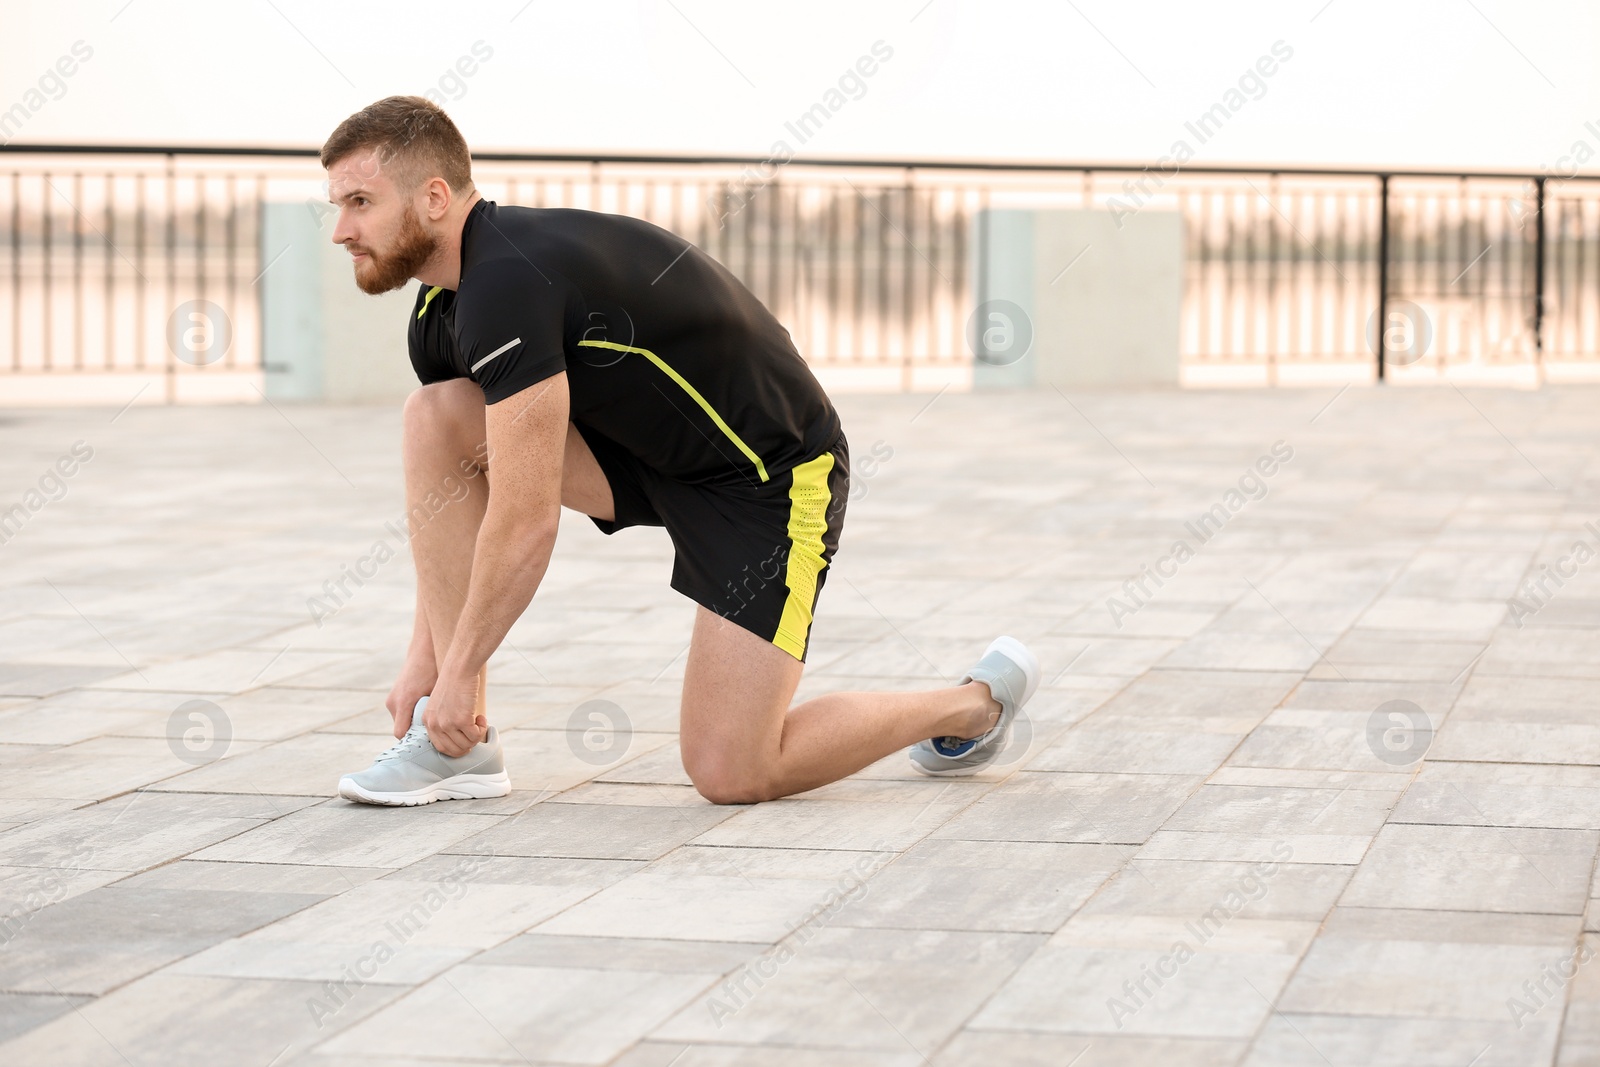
450,411
724,780
443,405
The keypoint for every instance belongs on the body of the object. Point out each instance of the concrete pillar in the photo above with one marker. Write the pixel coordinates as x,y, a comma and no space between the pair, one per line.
1101,301
323,338
291,310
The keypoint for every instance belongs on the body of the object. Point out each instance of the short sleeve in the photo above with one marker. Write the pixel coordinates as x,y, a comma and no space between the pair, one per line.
511,320
431,347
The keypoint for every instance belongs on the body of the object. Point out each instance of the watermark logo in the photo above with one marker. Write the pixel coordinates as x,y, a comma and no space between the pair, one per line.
199,732
1552,979
1251,85
999,333
1536,593
599,732
605,325
398,931
453,82
1252,486
51,487
51,85
740,988
866,468
1407,333
337,592
735,195
199,332
1139,991
1020,741
1399,733
50,889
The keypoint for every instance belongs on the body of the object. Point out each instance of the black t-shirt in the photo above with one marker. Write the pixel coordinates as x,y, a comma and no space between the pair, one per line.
666,352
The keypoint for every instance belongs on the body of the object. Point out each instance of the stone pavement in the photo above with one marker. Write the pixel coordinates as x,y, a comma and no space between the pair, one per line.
1305,790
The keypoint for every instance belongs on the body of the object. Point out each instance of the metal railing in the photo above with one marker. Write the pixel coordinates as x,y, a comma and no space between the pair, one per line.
870,264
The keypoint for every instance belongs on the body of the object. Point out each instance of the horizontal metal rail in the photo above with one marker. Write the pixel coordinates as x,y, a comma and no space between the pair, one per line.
1018,166
105,250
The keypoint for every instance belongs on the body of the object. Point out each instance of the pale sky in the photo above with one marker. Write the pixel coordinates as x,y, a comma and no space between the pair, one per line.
1420,83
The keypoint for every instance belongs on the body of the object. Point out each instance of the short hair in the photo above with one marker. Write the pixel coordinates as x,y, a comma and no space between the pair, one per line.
415,140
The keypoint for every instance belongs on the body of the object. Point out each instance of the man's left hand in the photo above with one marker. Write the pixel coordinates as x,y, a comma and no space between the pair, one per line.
452,718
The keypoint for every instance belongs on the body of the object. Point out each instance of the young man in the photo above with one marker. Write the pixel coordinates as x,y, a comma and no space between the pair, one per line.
599,362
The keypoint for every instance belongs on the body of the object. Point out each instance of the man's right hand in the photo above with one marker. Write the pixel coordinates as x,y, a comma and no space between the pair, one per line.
416,681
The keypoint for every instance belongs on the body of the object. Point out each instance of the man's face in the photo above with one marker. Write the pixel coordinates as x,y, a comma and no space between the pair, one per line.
378,222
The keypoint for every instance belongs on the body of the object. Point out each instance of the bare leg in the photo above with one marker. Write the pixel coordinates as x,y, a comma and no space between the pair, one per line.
447,493
742,742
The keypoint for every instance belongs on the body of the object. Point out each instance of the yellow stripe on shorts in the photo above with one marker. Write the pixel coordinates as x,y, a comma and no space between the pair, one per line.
808,521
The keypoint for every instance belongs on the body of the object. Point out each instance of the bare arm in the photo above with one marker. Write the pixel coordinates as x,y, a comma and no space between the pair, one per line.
527,436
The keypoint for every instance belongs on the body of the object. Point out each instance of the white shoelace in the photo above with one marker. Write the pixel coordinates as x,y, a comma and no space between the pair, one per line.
413,739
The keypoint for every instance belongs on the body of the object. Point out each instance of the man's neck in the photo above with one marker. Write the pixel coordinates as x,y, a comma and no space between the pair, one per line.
444,266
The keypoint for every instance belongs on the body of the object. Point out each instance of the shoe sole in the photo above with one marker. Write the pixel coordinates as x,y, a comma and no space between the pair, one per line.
966,770
952,772
461,787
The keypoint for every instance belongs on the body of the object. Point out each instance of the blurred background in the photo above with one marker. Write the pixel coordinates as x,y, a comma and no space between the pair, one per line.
930,194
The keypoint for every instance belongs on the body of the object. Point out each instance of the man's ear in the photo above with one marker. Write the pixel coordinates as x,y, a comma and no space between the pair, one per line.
439,198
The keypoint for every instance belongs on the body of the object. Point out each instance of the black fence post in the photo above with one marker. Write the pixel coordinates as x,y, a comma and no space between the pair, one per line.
1383,272
1538,270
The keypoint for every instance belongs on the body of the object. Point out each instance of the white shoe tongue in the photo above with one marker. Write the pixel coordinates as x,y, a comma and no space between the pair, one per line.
416,713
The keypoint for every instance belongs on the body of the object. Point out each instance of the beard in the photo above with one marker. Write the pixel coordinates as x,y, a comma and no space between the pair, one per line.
389,270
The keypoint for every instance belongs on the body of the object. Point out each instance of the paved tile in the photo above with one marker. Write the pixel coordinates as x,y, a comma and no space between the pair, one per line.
985,885
1105,745
139,830
253,877
1283,810
688,1054
1091,808
185,1020
1256,848
1021,1049
341,834
96,769
1202,771
1580,1029
390,932
99,940
732,894
860,989
1190,888
308,765
810,822
1478,794
1476,868
21,1012
1312,739
519,1014
1120,990
615,953
1298,1039
599,831
1417,965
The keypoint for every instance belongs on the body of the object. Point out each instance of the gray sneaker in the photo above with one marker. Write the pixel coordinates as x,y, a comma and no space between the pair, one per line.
1012,674
412,771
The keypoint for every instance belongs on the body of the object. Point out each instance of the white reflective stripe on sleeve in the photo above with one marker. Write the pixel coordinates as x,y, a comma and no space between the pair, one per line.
514,342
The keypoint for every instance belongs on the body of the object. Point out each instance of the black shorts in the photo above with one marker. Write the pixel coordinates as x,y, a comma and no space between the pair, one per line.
757,555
